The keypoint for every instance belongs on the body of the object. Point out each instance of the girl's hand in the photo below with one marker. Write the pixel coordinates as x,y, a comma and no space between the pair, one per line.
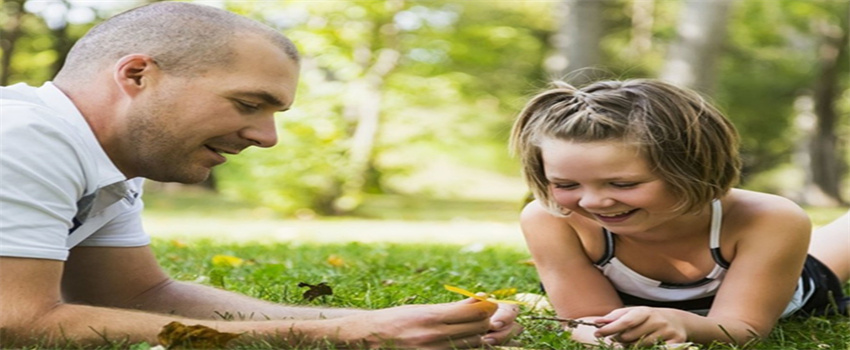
643,325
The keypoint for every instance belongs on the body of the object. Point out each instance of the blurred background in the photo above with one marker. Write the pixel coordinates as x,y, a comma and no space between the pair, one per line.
404,107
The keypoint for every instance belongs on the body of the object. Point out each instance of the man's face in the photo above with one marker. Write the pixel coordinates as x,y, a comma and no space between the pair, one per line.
181,126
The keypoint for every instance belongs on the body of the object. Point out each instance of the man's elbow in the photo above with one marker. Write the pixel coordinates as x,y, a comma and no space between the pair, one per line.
20,327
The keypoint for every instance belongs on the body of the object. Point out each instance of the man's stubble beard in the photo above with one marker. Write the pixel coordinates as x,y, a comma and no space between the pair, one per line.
157,154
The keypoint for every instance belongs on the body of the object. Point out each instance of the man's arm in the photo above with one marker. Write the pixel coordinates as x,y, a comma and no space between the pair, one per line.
34,311
134,280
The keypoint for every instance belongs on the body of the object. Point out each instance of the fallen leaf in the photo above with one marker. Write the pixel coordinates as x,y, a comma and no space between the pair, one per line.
315,291
529,262
176,335
479,297
227,261
336,261
503,293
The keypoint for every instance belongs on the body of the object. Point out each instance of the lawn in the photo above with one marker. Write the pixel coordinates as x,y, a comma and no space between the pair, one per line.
399,251
380,275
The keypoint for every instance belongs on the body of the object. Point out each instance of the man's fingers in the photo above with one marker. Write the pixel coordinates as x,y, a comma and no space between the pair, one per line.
504,315
502,336
469,312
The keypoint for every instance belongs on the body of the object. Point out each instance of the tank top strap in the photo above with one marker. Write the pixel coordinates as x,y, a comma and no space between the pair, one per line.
714,243
609,248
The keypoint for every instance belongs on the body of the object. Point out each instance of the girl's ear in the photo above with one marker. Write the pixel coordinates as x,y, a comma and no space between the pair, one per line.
133,73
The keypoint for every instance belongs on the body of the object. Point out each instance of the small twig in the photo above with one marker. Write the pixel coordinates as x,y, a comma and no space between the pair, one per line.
567,321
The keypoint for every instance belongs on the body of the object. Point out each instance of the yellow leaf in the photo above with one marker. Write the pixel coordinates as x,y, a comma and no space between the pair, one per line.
503,293
336,261
176,335
479,297
226,261
178,244
529,262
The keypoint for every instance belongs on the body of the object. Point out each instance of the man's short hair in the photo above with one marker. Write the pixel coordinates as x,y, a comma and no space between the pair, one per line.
184,39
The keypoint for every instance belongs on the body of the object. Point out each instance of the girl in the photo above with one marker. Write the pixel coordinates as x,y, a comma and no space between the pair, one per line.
636,226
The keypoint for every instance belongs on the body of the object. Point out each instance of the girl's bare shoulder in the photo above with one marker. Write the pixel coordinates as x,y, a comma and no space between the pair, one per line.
758,205
755,213
538,220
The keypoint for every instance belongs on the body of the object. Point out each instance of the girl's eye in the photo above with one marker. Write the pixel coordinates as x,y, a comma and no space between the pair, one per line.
565,186
624,184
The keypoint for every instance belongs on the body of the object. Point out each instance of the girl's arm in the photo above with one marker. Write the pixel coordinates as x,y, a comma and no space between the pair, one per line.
575,287
770,236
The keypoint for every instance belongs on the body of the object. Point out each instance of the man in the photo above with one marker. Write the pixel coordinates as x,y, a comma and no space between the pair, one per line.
160,92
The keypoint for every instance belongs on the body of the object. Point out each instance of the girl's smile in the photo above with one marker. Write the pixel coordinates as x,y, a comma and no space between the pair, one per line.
609,182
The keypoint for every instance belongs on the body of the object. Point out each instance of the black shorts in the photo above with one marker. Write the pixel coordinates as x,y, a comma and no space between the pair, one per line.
828,297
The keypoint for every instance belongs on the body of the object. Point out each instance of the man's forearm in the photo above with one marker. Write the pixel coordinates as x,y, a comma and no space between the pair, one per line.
82,325
205,302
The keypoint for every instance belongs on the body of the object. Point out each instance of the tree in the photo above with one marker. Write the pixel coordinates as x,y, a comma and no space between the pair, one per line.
576,42
10,31
826,167
692,56
386,88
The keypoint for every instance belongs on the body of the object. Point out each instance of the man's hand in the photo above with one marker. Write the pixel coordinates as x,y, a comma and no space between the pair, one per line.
436,326
503,325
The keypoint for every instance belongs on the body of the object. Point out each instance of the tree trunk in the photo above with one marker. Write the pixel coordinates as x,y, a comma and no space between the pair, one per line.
577,41
9,34
363,104
642,20
701,31
825,158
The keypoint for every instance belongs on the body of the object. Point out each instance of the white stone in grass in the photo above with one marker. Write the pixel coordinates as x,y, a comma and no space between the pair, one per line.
536,302
473,248
680,346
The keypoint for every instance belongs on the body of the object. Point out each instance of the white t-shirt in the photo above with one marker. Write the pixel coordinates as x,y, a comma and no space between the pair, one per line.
58,188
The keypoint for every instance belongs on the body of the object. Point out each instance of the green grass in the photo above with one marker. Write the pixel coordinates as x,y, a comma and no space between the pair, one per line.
386,275
379,275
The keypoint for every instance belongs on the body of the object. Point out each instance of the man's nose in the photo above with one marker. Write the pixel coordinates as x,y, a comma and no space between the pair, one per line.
263,133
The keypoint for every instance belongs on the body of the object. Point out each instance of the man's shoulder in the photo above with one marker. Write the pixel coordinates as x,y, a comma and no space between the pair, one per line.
20,94
27,116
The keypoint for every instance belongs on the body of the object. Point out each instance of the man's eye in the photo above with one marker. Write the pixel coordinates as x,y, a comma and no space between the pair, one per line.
248,107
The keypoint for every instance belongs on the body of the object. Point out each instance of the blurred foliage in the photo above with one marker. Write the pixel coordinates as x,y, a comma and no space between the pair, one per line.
769,64
464,69
461,76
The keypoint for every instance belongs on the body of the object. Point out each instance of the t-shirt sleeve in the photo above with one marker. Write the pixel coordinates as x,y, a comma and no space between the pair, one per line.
41,178
126,229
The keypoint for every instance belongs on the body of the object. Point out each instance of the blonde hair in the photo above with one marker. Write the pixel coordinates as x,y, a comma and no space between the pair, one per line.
688,143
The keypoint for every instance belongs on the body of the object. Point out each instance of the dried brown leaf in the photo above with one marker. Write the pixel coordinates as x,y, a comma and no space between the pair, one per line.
315,291
176,335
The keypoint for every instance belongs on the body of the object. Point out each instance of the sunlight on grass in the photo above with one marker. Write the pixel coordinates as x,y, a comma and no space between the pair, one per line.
333,231
399,219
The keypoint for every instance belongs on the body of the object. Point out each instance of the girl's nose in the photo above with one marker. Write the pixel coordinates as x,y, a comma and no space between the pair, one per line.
594,200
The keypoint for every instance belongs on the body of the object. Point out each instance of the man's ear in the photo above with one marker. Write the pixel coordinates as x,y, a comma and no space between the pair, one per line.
136,72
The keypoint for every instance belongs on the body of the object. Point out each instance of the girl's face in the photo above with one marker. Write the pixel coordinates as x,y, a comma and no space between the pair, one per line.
609,182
